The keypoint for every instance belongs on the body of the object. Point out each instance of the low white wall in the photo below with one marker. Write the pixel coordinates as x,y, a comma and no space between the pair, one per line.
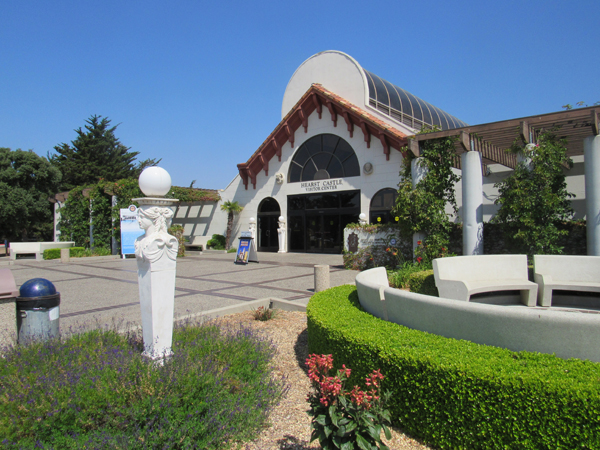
515,327
23,248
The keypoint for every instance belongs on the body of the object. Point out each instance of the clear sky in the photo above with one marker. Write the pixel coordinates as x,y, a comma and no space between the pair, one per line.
200,84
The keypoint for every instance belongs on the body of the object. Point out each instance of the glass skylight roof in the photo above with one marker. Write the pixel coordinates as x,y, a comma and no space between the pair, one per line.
406,108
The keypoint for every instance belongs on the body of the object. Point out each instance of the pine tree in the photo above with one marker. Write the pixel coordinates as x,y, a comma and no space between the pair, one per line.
96,154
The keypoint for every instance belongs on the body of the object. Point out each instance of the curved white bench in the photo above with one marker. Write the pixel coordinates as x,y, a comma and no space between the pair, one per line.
515,327
565,272
459,277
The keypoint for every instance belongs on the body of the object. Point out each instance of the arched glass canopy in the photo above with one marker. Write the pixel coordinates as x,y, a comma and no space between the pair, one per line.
407,108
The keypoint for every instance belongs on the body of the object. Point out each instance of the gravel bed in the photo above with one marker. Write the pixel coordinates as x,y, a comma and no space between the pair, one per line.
289,423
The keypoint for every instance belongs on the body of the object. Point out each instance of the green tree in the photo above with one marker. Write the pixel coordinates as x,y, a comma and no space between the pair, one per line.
231,208
96,154
423,209
534,200
27,180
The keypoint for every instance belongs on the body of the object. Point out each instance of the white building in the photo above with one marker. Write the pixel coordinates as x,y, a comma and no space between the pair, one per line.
337,153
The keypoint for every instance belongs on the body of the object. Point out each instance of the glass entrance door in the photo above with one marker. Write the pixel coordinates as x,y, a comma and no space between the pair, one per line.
268,222
316,222
268,240
323,233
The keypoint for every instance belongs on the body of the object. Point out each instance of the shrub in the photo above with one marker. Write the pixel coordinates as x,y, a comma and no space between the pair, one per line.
534,201
217,242
95,390
54,253
415,279
400,278
263,314
422,283
457,394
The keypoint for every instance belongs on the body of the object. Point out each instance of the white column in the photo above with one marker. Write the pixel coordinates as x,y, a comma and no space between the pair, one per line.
591,152
472,203
417,172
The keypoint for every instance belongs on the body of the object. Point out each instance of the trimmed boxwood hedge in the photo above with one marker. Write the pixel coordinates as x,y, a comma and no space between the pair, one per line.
54,253
422,283
457,394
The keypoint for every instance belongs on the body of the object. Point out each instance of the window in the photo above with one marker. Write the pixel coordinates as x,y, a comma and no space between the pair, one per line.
381,206
323,157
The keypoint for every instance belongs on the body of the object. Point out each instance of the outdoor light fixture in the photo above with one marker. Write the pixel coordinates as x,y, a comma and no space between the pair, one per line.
368,168
155,182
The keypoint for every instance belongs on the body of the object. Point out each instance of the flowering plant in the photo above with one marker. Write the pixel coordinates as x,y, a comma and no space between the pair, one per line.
429,249
341,419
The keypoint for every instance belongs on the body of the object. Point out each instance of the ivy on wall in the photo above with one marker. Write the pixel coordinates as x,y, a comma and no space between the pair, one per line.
92,205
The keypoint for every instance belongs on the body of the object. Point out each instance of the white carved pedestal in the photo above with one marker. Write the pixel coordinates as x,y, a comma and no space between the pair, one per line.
156,256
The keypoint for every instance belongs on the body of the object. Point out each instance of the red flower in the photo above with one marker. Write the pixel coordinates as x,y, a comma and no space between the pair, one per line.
419,260
418,242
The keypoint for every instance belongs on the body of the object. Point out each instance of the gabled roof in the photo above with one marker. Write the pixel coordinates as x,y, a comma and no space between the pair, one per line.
338,109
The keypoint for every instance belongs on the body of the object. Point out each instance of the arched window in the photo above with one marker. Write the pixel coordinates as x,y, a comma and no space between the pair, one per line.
322,157
382,203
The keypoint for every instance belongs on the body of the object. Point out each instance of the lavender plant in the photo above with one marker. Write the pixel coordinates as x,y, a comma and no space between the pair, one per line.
94,390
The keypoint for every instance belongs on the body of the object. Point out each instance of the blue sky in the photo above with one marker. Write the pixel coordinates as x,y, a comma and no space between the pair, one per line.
200,84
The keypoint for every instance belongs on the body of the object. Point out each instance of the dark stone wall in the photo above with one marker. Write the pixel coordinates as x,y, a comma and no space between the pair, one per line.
574,243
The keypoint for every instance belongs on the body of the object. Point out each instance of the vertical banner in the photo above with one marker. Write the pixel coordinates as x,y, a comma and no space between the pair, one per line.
130,230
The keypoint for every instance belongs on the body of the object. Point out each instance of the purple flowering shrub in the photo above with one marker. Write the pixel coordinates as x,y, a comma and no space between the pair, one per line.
94,390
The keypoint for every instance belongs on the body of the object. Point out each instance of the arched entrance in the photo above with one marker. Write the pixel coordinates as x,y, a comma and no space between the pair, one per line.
317,220
268,218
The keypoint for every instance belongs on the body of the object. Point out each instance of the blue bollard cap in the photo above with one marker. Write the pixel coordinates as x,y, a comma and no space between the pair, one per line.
37,287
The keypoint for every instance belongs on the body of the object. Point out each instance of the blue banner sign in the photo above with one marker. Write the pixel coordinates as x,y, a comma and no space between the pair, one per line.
130,230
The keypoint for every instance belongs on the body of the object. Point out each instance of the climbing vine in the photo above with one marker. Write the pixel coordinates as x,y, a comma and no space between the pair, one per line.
75,219
423,209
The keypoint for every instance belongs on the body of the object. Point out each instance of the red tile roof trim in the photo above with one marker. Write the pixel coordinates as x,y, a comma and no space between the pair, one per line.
314,99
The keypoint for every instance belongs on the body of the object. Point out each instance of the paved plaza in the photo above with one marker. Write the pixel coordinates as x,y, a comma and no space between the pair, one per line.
105,290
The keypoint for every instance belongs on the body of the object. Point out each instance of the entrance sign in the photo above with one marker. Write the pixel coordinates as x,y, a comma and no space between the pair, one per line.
328,185
246,249
130,230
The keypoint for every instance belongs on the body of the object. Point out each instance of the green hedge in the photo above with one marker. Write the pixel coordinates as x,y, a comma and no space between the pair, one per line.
422,283
54,253
457,394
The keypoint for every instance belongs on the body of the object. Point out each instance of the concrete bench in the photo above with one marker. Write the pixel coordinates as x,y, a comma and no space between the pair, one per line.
369,286
565,334
36,248
567,273
196,241
460,277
